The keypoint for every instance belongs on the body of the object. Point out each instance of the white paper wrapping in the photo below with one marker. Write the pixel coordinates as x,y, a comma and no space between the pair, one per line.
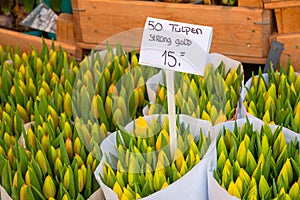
215,191
192,185
97,195
3,194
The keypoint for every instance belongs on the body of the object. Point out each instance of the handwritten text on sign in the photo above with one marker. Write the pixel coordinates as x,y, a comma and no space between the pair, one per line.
176,46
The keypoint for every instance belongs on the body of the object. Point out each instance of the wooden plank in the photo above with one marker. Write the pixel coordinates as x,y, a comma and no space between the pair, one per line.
65,29
251,3
241,34
278,16
129,39
267,30
243,59
287,13
76,14
25,42
291,45
290,19
250,60
281,4
269,1
84,45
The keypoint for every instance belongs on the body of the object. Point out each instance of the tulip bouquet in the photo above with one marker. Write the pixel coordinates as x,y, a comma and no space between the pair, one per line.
110,89
54,165
256,161
25,78
213,97
54,161
35,175
138,161
274,97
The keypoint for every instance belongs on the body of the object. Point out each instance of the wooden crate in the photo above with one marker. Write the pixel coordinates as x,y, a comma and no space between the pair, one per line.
239,32
16,39
65,31
291,49
287,13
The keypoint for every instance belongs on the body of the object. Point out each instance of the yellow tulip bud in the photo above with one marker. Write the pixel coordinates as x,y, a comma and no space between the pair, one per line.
118,190
49,189
41,160
164,134
263,187
141,127
233,190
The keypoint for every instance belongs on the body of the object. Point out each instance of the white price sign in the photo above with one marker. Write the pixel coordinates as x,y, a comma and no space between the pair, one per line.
175,46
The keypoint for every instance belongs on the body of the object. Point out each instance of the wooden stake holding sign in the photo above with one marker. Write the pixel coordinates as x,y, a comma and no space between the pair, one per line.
175,46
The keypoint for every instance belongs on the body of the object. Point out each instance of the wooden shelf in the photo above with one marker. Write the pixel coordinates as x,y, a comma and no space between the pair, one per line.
24,41
280,4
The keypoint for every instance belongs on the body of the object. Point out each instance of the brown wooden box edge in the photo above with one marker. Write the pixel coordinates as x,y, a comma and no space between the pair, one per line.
291,48
238,31
65,31
24,42
287,13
